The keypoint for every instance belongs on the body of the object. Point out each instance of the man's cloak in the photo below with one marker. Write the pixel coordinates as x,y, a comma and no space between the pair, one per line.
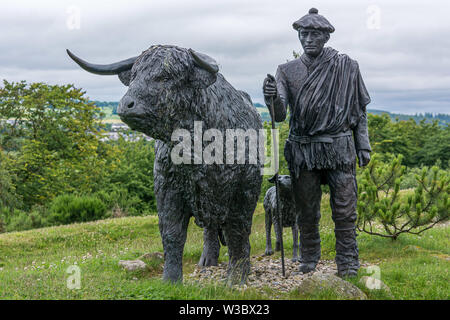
327,99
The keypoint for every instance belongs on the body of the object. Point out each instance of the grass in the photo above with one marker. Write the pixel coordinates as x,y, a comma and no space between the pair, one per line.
33,264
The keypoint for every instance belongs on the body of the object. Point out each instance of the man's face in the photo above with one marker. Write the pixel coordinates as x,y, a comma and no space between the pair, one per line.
313,40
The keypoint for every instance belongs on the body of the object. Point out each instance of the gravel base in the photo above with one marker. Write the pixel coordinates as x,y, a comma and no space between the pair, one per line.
265,272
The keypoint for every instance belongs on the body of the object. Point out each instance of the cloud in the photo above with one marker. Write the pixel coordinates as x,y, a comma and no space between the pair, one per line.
405,53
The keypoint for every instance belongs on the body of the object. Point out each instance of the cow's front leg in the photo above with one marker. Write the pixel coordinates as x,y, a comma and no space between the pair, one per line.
173,224
211,247
239,254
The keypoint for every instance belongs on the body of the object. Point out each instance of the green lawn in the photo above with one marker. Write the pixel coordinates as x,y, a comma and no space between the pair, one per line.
33,264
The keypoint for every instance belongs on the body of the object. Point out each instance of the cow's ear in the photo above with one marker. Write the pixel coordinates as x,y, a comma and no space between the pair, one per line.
205,70
125,77
200,78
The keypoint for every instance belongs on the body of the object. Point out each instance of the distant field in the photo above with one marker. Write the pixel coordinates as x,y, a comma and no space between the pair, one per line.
443,119
112,120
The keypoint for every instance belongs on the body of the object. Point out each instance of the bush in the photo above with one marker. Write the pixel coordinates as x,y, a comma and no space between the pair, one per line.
2,225
68,208
18,220
119,199
409,180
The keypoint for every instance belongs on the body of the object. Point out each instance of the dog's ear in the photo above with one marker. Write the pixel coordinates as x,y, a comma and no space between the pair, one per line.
272,180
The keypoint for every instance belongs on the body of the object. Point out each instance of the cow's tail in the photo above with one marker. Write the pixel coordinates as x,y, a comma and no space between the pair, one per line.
222,237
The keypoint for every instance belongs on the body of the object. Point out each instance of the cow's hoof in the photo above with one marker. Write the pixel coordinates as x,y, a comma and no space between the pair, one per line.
268,252
307,267
236,279
238,272
173,277
295,259
208,262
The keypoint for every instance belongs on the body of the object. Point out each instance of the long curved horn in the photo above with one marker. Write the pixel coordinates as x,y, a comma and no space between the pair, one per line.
205,62
107,69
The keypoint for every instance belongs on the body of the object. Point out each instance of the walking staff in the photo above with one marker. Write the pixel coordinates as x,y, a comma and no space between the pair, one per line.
271,78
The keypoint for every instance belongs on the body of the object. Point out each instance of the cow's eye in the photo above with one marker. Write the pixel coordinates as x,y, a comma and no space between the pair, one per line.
160,77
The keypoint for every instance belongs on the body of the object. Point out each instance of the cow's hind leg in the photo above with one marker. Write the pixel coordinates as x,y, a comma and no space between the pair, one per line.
238,225
211,247
237,231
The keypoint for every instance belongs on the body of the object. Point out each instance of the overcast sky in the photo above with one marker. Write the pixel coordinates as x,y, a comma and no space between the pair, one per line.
403,47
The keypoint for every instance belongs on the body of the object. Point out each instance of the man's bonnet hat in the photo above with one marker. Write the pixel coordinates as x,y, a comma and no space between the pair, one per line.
314,20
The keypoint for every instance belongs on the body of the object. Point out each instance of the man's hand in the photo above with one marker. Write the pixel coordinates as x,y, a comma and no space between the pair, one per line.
364,158
270,87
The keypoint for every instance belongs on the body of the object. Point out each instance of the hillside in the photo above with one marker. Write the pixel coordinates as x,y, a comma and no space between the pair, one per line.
34,264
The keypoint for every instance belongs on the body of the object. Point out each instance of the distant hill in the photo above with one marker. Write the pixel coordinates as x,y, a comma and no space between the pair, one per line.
429,117
263,111
110,109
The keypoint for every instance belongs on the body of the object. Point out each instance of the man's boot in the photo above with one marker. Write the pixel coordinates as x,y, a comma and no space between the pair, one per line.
346,252
309,247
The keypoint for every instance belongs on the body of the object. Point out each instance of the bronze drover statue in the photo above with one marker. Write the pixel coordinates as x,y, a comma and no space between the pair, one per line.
328,129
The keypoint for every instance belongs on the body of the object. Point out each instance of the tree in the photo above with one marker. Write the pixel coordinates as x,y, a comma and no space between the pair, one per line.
436,145
60,140
131,180
420,143
384,211
8,196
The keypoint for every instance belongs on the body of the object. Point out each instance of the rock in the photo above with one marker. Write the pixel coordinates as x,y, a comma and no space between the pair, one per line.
329,282
152,256
372,283
132,265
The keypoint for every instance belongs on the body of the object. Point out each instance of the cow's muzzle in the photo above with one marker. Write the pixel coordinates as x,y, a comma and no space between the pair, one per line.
128,108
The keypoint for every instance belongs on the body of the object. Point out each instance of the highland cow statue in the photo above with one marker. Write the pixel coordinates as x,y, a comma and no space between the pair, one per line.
173,89
287,210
